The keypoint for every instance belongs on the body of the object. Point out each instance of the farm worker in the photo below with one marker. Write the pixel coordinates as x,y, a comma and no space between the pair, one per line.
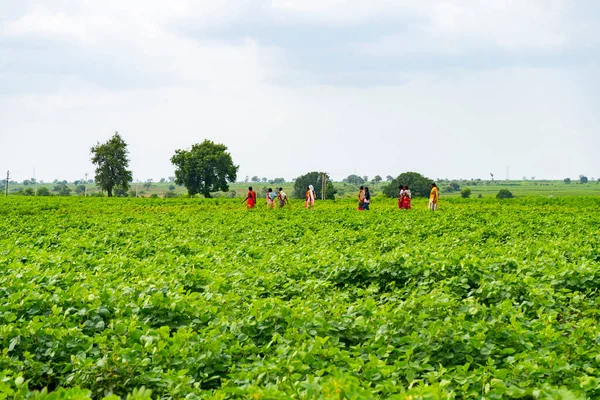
282,198
250,198
367,200
407,198
361,198
433,197
310,197
401,197
271,198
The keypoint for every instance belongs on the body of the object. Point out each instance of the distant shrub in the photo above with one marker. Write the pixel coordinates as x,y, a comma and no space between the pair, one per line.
504,194
119,192
43,191
465,193
154,196
567,180
170,195
480,196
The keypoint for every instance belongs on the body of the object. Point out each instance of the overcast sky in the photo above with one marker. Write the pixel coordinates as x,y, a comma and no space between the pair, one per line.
453,89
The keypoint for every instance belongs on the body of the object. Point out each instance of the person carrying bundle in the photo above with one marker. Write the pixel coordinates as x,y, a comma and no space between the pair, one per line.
270,198
282,198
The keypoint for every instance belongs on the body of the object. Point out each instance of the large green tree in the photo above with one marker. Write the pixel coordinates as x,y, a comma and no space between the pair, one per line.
112,162
419,185
355,180
313,178
206,167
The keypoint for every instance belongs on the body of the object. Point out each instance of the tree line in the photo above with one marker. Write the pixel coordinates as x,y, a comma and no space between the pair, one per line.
208,167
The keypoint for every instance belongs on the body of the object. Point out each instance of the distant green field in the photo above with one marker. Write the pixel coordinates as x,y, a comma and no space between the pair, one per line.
345,190
532,188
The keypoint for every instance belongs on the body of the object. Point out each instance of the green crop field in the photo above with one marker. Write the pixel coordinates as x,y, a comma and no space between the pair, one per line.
195,298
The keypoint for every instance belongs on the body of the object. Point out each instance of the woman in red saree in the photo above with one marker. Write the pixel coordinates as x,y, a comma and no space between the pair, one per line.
406,199
401,197
250,198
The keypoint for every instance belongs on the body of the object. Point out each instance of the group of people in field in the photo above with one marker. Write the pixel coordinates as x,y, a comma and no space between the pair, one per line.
280,198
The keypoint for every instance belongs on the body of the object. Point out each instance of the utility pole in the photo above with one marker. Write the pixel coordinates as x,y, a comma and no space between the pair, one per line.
323,185
7,179
86,181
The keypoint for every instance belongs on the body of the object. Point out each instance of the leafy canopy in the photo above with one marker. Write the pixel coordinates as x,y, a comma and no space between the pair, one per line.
111,160
504,194
419,185
313,178
206,167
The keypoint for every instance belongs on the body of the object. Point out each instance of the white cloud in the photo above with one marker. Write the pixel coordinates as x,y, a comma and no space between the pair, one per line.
195,88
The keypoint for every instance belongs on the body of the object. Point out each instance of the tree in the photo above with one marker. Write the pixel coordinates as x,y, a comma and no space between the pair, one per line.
365,178
79,189
278,180
64,190
567,180
148,184
43,191
455,187
58,187
28,192
504,194
255,179
389,178
583,179
205,168
313,178
264,179
377,179
465,193
111,163
419,185
162,180
171,187
355,180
